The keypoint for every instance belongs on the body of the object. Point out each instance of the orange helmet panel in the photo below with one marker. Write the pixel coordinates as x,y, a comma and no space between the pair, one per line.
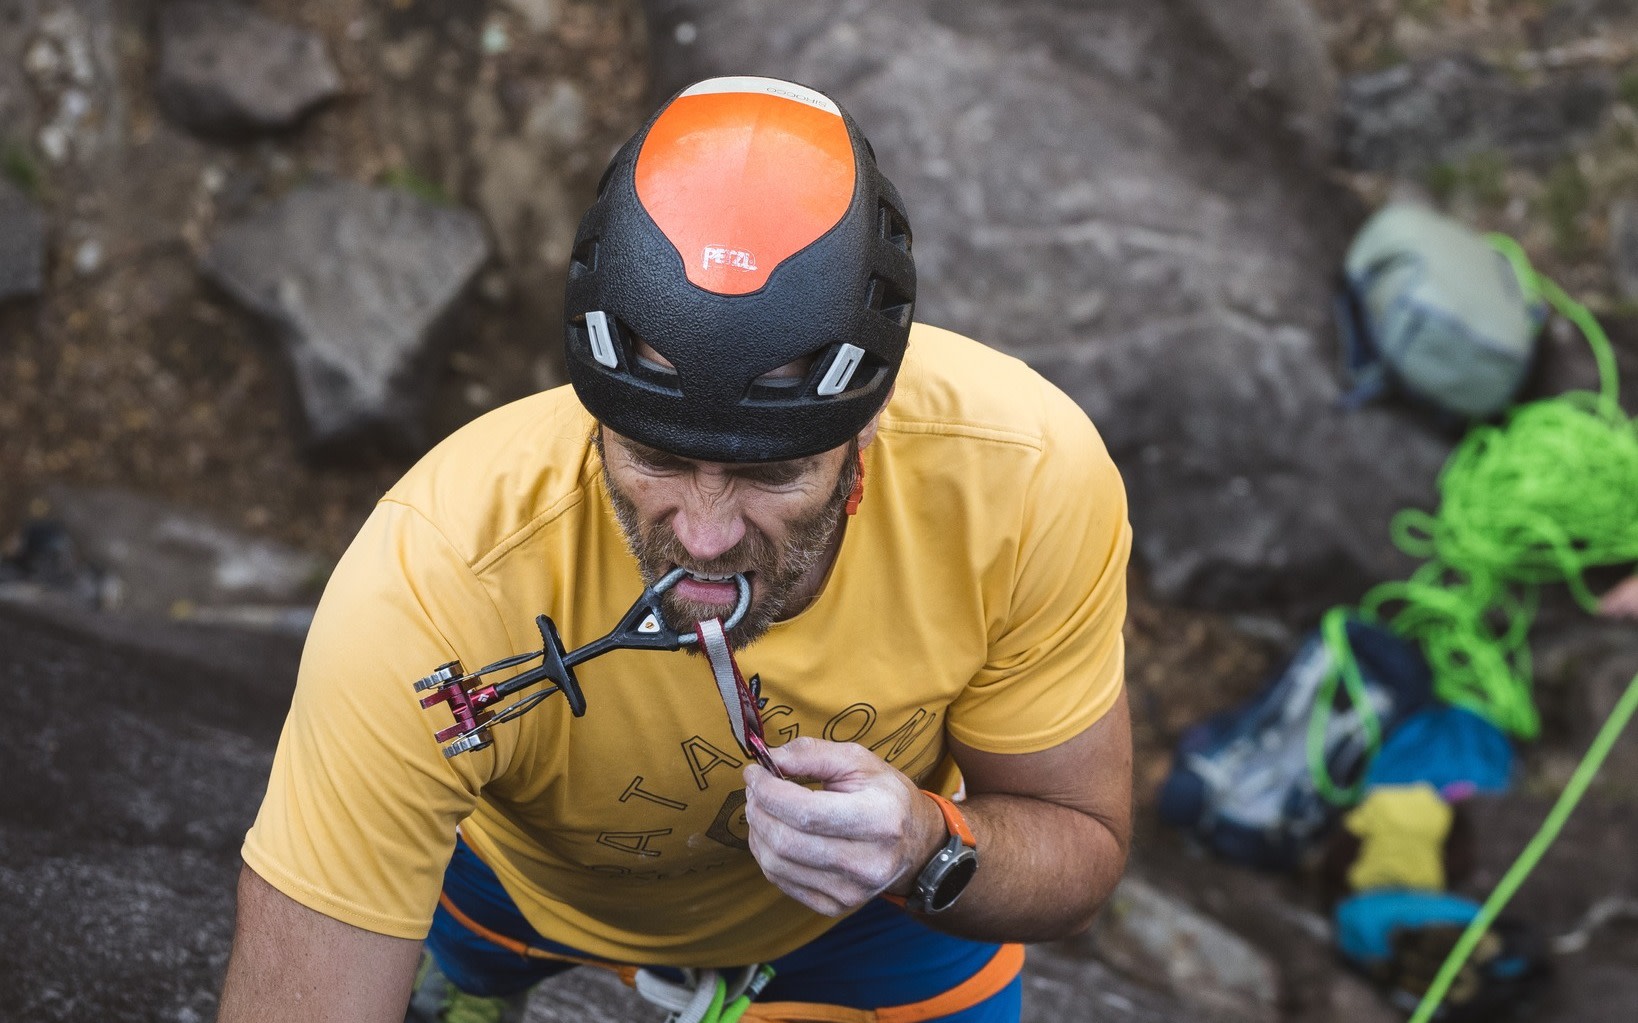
707,154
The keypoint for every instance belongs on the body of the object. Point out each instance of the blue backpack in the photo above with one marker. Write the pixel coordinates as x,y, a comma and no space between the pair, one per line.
1242,781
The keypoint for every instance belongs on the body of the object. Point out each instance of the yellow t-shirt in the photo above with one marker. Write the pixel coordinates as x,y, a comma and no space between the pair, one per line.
980,590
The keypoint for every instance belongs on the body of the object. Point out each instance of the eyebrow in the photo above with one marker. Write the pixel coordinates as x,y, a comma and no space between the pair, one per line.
783,471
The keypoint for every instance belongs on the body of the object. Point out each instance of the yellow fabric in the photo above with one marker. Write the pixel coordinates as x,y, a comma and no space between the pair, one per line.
1402,831
980,589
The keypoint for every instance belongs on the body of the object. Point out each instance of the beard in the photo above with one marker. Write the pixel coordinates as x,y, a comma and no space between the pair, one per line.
779,568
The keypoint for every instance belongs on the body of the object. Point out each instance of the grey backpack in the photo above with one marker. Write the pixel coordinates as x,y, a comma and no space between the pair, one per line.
1433,310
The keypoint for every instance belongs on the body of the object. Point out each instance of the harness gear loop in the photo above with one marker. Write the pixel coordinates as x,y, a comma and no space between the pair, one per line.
705,996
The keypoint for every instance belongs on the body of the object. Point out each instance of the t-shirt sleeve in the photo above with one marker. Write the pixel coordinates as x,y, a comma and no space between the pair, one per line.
361,807
1057,662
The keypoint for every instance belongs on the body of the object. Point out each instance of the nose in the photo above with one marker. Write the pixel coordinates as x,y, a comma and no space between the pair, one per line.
708,522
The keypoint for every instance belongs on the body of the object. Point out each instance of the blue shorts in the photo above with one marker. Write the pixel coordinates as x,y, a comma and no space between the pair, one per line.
880,956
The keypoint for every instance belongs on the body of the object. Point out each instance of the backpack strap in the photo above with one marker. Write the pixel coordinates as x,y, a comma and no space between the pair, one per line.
1363,373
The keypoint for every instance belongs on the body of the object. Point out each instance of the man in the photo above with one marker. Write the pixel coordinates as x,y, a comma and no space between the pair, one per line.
935,543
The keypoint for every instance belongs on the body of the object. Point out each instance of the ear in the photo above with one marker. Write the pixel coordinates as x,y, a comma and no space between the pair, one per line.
868,434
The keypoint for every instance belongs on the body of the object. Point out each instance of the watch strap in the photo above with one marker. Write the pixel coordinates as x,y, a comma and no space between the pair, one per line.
954,823
953,820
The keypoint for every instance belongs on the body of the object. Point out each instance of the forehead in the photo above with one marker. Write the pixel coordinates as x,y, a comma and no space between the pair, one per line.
659,455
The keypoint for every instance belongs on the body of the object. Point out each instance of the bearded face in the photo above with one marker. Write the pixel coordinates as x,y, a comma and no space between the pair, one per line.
783,519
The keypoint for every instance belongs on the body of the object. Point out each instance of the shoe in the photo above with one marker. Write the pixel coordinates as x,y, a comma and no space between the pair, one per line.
436,1000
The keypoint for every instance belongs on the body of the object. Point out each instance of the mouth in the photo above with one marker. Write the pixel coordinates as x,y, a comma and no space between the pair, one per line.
710,588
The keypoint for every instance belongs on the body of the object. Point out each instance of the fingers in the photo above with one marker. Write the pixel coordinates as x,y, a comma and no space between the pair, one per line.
830,875
870,815
834,763
1622,601
836,848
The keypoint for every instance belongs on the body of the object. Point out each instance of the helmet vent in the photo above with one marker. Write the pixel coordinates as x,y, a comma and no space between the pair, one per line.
890,301
583,259
892,228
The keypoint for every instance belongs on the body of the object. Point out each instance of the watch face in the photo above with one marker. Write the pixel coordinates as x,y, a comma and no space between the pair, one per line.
953,882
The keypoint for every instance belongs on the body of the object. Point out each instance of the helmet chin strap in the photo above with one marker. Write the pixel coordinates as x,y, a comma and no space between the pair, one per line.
857,496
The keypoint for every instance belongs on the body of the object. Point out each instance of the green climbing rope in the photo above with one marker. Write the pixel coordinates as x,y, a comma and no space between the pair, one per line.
1344,669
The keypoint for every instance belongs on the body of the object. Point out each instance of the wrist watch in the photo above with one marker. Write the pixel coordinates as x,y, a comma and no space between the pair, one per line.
951,869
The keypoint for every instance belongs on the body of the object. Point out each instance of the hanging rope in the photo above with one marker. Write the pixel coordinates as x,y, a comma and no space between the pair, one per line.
1532,854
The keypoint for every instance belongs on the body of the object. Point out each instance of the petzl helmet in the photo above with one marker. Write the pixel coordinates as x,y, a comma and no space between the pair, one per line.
746,227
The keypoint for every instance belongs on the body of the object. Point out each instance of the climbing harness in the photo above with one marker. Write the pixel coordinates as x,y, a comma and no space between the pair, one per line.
642,628
728,996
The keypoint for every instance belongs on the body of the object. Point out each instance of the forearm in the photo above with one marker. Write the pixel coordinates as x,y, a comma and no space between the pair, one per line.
1044,870
1051,827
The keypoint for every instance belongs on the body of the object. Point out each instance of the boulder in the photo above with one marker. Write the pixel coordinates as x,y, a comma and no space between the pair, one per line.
143,555
22,244
226,69
1414,116
1624,247
1280,46
1161,940
1094,188
354,281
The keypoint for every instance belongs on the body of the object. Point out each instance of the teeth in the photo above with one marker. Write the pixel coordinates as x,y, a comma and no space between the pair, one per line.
712,578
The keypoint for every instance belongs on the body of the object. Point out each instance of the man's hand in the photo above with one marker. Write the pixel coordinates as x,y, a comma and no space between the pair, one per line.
1622,601
867,831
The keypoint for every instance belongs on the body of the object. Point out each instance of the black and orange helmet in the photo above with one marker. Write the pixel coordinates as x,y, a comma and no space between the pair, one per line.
744,229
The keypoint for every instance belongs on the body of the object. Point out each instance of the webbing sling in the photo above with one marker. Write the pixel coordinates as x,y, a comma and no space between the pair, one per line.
986,983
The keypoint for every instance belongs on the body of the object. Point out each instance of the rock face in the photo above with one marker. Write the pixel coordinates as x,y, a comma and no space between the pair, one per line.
1147,933
140,783
225,69
22,244
354,281
1413,116
1096,188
